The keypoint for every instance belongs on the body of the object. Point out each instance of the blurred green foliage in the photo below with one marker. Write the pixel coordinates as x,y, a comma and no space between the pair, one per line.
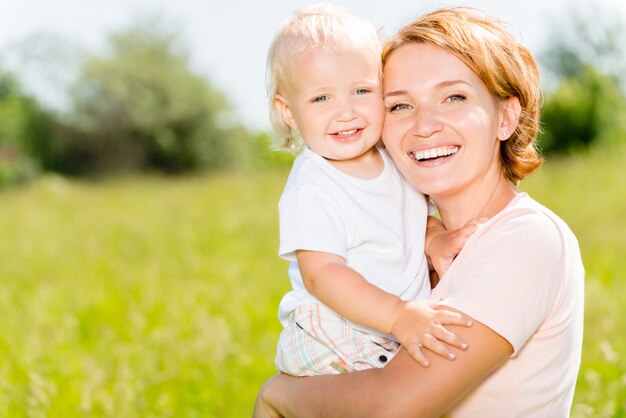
265,156
583,109
21,120
142,107
139,106
588,103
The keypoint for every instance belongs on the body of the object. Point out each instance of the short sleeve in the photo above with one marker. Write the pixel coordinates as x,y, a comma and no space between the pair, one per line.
309,219
509,275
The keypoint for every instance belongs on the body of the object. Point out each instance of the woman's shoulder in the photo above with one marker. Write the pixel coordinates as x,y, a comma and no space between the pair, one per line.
526,210
526,222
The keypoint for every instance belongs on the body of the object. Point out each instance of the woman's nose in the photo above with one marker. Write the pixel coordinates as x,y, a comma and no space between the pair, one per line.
426,122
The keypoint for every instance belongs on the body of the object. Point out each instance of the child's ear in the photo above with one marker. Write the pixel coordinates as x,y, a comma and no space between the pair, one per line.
510,118
282,106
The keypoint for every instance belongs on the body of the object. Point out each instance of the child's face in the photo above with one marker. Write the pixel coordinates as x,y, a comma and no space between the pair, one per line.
335,102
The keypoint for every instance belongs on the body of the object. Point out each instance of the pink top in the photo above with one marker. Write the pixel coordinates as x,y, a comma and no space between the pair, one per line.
521,275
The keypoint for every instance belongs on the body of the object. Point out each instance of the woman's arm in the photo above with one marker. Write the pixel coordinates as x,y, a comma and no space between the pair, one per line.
401,389
343,289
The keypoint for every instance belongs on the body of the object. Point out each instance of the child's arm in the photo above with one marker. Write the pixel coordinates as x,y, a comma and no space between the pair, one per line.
443,246
415,324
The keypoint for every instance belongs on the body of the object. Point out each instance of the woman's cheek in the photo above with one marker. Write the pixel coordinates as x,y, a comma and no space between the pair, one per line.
390,133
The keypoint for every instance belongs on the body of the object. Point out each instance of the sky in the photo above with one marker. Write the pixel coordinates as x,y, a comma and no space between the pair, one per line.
228,40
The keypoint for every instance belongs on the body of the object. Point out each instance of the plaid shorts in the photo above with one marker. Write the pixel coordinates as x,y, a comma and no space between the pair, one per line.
318,341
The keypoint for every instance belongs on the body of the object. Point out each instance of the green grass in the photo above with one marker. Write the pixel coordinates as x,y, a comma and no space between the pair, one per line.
138,298
151,297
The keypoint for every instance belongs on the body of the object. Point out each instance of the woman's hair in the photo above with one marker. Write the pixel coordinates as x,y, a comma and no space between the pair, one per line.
507,68
319,26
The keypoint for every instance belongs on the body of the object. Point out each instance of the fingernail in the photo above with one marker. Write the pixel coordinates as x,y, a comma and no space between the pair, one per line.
451,356
426,363
464,346
469,323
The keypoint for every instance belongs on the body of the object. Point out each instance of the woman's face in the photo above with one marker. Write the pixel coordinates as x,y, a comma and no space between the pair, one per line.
441,125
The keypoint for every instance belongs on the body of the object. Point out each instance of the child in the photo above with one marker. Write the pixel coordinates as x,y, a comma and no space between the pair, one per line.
352,228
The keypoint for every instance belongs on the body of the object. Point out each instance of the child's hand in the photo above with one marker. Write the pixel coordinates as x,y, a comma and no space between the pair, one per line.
419,325
443,246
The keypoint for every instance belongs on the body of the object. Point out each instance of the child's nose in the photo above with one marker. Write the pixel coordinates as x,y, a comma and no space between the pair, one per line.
346,111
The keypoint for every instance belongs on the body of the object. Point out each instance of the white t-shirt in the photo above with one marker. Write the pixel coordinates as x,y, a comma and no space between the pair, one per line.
378,225
521,275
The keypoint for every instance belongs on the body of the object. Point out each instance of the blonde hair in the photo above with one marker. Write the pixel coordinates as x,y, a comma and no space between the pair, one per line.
320,26
507,68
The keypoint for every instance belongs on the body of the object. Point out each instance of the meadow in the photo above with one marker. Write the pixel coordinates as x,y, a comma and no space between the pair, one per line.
157,297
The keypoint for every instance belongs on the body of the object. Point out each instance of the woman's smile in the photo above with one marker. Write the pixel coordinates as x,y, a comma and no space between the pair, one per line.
434,154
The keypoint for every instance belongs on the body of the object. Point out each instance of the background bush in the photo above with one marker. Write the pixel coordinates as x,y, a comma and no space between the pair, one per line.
21,121
585,103
582,110
141,107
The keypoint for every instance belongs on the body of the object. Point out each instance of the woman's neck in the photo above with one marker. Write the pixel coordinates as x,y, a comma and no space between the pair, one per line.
484,200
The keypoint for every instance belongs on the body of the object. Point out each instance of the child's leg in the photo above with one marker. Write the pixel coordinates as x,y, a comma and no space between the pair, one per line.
318,341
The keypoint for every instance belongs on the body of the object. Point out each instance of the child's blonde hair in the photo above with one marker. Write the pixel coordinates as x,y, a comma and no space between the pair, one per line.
320,26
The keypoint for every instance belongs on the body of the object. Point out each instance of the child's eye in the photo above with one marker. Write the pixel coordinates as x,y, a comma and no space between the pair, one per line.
319,99
361,91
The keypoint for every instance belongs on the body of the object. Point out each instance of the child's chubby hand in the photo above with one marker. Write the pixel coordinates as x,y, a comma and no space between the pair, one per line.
419,325
443,246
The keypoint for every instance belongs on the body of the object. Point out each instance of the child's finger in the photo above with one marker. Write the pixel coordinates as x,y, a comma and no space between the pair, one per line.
469,228
442,334
437,347
415,351
451,318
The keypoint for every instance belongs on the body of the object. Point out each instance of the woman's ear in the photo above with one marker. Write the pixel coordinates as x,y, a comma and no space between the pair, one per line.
511,111
282,106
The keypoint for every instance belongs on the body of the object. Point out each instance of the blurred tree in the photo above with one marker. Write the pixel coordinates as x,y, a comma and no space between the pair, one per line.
21,120
586,56
142,107
583,109
35,99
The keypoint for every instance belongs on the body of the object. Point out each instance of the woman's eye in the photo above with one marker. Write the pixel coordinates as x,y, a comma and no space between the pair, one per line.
455,98
398,106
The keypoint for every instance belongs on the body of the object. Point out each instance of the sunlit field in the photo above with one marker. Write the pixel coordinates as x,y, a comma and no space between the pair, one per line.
152,297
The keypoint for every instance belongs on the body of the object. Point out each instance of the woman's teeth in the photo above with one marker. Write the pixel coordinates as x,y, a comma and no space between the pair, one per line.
434,153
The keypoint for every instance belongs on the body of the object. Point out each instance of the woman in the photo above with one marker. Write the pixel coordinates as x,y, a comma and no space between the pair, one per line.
462,99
